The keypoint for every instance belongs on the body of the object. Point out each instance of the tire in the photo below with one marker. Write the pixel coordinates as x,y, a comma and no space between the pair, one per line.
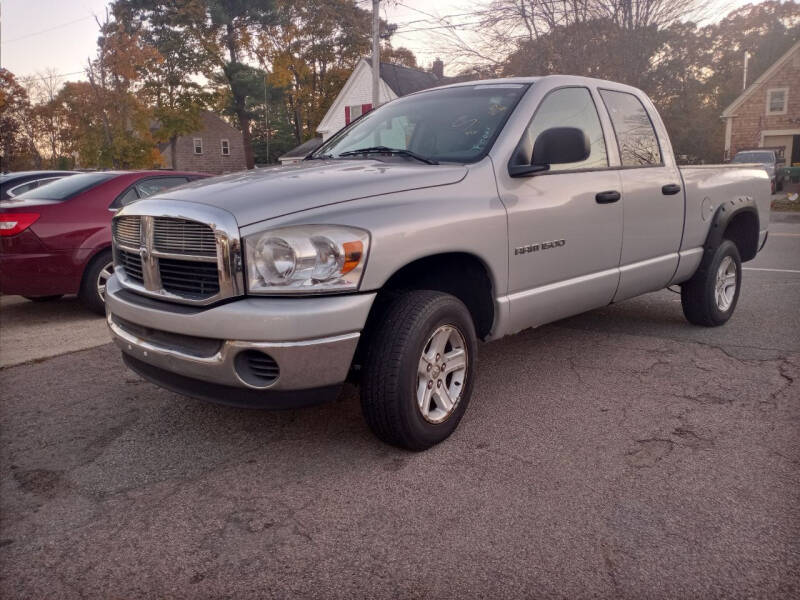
705,300
44,298
417,333
95,275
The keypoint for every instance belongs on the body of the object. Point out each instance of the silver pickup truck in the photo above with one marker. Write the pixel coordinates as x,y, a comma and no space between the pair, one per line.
466,212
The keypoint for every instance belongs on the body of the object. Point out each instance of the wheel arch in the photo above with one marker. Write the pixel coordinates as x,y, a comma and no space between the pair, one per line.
90,260
737,221
462,274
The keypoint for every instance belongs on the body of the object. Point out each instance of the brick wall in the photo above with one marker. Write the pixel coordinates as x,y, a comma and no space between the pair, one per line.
751,117
211,160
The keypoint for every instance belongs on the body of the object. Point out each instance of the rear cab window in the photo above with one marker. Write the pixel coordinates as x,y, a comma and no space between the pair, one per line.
633,129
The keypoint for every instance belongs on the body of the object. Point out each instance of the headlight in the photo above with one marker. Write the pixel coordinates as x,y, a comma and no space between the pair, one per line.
306,259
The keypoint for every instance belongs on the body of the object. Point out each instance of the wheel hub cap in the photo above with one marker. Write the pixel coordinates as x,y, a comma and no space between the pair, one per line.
441,374
725,284
102,278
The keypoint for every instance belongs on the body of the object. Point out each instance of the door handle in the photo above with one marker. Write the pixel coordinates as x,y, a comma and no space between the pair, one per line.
670,189
607,197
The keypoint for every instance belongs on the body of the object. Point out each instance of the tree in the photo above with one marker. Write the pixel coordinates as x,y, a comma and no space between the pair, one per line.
168,82
219,32
109,125
311,51
16,144
398,56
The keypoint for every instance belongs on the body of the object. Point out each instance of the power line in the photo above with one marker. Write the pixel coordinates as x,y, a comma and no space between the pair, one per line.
453,26
53,76
27,35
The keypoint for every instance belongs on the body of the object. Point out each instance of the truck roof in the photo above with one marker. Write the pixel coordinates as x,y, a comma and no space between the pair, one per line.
564,79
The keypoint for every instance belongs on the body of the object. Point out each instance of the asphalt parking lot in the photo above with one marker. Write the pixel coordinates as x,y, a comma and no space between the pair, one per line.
618,454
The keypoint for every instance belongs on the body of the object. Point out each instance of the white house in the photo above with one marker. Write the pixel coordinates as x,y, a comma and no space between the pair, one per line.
355,98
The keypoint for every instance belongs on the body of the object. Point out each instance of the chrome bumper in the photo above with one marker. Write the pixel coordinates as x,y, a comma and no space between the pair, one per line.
248,324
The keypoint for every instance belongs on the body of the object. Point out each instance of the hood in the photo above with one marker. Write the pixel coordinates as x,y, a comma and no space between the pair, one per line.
261,194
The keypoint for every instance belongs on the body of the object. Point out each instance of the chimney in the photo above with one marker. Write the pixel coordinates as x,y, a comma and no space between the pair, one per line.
438,68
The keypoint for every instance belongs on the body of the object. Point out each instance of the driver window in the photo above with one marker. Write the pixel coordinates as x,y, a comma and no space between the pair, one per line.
567,107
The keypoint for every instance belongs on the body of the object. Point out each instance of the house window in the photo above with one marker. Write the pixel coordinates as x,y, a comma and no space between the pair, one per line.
777,101
352,112
225,147
198,145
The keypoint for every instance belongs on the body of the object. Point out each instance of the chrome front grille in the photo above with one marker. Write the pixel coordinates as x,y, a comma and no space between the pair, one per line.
179,236
177,258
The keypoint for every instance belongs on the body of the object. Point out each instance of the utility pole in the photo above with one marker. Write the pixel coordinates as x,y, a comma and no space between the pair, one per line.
746,60
266,115
376,53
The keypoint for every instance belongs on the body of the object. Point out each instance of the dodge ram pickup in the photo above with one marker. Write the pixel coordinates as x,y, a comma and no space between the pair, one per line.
466,212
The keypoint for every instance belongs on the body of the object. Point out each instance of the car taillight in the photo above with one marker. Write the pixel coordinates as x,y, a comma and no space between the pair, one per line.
13,223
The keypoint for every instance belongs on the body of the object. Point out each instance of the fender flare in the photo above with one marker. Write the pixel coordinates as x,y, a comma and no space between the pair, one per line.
719,223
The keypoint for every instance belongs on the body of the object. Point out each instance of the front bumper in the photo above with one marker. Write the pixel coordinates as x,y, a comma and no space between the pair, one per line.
200,351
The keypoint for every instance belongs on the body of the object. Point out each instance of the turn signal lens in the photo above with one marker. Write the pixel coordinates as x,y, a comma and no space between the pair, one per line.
14,223
353,251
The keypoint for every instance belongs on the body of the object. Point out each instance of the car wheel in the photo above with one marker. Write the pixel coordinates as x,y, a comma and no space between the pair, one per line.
710,296
419,370
44,298
93,287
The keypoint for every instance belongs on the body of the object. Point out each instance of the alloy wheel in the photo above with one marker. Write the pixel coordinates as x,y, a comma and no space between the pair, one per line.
441,374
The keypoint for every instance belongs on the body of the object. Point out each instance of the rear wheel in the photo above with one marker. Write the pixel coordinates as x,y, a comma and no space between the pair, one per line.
419,370
93,287
709,298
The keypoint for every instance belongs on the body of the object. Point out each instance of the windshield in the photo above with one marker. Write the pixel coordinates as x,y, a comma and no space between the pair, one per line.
456,124
763,158
65,188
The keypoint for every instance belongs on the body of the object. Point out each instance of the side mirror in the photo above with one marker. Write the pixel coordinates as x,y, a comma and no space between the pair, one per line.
554,146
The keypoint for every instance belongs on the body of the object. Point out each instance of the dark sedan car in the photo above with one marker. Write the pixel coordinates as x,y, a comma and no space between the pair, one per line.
56,239
15,184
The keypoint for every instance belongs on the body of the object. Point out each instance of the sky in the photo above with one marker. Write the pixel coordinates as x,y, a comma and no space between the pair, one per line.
36,35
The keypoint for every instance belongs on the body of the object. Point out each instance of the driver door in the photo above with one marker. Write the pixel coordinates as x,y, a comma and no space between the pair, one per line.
564,225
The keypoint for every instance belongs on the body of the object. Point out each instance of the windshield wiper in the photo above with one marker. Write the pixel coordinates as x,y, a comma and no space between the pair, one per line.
318,157
387,150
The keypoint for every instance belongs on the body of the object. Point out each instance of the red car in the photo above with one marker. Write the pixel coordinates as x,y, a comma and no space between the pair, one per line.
56,239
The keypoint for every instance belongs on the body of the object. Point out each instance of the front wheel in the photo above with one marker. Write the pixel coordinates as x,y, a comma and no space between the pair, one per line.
710,296
419,370
93,287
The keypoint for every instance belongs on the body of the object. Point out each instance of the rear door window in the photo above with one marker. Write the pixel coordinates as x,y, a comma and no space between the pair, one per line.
129,196
636,137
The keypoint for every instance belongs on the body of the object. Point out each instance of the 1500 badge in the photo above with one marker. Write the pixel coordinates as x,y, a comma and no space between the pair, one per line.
539,246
